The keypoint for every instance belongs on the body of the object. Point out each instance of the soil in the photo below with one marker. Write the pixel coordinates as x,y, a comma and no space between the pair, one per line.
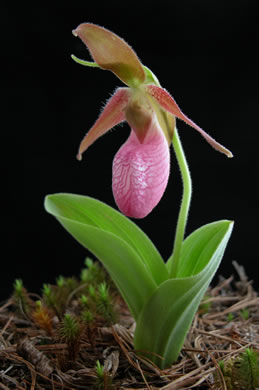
77,336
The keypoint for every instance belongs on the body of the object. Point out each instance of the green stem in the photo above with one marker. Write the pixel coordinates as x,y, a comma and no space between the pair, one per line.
174,260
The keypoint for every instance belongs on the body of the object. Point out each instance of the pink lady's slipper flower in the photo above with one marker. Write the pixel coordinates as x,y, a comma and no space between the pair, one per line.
141,166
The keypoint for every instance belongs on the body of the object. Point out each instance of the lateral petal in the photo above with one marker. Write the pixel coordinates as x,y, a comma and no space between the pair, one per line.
166,101
112,114
112,53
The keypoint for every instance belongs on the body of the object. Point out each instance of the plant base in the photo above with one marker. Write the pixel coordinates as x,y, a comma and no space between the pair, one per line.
40,353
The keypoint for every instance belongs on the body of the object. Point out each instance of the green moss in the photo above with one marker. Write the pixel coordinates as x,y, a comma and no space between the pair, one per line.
242,372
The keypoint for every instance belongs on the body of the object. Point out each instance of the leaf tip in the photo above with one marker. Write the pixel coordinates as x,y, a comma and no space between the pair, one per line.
230,225
46,202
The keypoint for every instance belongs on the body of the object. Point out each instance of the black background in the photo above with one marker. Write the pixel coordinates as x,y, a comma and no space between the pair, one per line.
203,52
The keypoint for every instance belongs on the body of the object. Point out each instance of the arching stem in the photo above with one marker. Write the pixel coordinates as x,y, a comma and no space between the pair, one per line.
174,260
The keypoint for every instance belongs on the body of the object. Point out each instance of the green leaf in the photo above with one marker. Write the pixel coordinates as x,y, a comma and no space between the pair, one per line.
198,248
91,211
164,322
112,238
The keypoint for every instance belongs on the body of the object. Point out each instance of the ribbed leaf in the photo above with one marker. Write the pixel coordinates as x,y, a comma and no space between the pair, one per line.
93,212
96,233
199,247
164,322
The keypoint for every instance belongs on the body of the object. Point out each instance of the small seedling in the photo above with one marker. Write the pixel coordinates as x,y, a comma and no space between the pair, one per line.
21,298
245,314
92,292
84,275
89,263
60,281
84,300
71,284
99,368
241,372
70,328
92,273
18,287
47,294
104,379
230,317
87,317
104,304
43,318
50,298
70,332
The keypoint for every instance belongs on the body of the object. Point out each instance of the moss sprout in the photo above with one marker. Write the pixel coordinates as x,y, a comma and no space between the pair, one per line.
242,372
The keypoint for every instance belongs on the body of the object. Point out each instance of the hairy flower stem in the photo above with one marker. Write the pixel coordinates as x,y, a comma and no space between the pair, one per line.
174,260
